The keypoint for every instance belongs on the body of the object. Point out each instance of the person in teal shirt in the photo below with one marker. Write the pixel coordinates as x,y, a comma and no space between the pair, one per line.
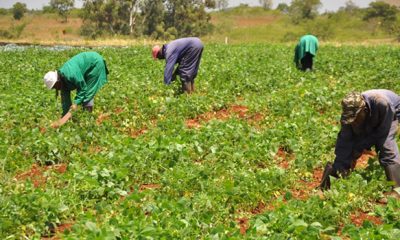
305,52
86,73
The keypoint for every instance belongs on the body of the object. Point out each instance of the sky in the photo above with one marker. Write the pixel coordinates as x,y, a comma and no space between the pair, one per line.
327,5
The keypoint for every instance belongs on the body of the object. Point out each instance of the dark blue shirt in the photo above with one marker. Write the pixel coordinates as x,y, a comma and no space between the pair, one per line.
383,108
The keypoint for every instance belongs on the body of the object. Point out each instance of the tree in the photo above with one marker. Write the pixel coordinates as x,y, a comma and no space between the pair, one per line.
188,17
350,7
266,4
153,13
222,4
304,9
157,18
283,7
62,7
19,9
107,16
384,13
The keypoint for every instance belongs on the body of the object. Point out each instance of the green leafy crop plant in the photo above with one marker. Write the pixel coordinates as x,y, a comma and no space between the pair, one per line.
136,170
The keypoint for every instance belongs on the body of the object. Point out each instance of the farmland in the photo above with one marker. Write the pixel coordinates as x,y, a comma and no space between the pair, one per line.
240,158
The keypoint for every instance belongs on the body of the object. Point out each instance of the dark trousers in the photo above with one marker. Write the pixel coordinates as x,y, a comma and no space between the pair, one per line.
307,62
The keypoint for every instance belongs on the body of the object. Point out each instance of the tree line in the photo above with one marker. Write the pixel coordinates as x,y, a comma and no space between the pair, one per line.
168,19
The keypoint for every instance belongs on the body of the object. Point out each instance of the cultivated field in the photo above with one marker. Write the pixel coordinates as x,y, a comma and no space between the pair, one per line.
240,158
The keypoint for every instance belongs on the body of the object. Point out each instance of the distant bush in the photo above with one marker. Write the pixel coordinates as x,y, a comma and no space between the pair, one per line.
19,9
4,11
13,31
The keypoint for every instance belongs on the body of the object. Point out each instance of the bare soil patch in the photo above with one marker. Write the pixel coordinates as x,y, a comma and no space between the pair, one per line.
362,162
238,111
306,187
284,157
149,186
37,173
59,229
243,225
358,219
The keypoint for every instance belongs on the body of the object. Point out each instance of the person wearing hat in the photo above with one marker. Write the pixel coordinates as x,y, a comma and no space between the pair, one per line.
187,53
305,52
87,73
368,119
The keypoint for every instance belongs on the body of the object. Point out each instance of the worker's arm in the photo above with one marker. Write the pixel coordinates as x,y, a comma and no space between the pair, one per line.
65,118
344,148
169,67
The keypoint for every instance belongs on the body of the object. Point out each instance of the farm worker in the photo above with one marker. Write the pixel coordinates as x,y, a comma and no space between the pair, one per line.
305,51
368,119
87,73
187,53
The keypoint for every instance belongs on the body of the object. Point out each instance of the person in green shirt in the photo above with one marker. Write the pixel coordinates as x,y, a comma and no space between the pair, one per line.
87,73
305,52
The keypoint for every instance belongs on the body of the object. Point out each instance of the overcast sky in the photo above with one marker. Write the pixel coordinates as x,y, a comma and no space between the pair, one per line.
330,5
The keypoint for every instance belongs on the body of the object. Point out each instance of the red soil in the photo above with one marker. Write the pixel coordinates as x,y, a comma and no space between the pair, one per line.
102,117
303,193
224,114
259,209
359,217
58,230
118,110
149,186
137,133
362,162
42,130
36,173
284,157
243,224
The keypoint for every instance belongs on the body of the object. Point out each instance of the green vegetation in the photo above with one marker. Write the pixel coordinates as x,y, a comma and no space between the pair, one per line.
245,24
136,169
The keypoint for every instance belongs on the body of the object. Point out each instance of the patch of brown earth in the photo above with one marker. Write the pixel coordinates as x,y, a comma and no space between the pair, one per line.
362,162
193,123
149,186
224,114
102,117
261,207
58,230
239,110
36,173
358,219
243,225
137,133
303,193
284,157
42,130
118,110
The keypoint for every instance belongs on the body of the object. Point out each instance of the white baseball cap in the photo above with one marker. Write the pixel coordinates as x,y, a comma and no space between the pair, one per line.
50,79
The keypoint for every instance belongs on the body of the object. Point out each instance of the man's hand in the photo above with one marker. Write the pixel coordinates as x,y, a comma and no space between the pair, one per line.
73,107
56,124
62,120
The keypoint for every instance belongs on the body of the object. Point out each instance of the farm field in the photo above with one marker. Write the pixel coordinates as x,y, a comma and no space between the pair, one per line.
239,159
